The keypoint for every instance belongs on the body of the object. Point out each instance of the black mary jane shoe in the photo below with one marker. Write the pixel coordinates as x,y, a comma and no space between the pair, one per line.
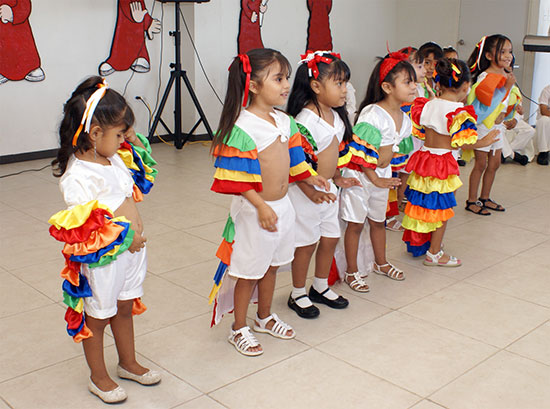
338,303
308,312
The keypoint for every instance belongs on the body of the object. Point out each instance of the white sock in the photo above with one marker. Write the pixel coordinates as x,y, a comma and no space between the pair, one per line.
302,302
321,284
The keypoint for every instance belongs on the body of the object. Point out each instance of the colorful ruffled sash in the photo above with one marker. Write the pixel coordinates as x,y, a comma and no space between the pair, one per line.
364,146
92,235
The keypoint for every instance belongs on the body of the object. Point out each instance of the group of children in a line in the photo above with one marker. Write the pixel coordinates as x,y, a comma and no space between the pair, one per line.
302,180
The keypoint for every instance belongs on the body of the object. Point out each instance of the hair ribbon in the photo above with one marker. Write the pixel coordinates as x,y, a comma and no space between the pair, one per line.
480,45
313,58
389,63
247,69
91,105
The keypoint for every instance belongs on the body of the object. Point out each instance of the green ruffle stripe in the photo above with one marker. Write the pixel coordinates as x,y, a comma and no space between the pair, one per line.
229,230
406,145
103,261
368,133
240,140
305,132
146,154
70,301
293,126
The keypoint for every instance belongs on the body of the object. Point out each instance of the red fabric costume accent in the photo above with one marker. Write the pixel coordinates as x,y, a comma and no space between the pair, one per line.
319,37
129,39
18,53
250,35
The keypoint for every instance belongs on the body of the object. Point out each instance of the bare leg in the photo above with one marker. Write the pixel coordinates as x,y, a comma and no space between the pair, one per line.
122,325
300,265
351,245
401,189
241,300
93,350
437,239
324,256
266,287
475,177
490,173
378,239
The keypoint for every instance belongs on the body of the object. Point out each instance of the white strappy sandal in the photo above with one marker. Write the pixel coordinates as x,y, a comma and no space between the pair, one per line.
433,260
245,341
358,284
278,330
394,273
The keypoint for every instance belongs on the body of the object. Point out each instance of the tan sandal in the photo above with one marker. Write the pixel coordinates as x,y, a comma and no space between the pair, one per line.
394,273
433,260
393,224
358,284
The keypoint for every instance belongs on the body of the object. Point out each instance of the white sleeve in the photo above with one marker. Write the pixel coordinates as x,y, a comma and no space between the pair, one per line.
78,190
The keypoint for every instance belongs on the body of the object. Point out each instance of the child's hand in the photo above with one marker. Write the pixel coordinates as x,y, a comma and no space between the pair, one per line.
320,197
346,182
137,243
511,124
489,139
318,181
500,118
130,136
267,218
510,80
430,90
387,183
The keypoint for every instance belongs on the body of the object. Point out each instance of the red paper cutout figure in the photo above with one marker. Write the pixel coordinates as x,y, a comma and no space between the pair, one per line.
129,49
319,37
19,57
250,23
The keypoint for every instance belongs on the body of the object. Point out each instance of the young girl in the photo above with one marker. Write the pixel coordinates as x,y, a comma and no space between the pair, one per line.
105,251
445,124
379,129
317,101
489,63
258,153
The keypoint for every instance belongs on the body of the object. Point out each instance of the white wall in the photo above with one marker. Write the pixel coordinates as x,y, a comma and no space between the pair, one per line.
541,77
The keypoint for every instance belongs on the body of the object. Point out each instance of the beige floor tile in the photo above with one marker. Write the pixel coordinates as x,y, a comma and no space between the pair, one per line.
330,322
152,227
33,340
204,402
505,381
537,254
65,385
480,313
15,222
518,277
534,345
495,236
527,215
28,249
396,294
197,278
41,193
201,355
3,405
414,354
17,297
188,214
426,404
44,277
313,379
177,249
211,232
167,305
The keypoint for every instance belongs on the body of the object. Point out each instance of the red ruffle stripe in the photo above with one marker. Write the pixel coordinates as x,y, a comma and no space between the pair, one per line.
95,221
415,238
416,109
451,115
426,164
235,188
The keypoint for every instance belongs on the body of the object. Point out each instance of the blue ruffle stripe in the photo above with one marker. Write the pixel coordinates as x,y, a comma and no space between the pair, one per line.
94,257
399,160
73,332
83,290
417,251
368,151
433,201
220,272
247,165
140,180
297,155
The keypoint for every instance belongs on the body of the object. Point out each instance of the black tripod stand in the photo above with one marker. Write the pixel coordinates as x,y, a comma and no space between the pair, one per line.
176,75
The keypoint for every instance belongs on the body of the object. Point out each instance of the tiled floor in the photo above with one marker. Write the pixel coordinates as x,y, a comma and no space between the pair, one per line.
472,337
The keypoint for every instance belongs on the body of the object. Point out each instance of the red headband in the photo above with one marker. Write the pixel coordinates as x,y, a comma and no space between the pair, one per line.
313,58
390,62
247,69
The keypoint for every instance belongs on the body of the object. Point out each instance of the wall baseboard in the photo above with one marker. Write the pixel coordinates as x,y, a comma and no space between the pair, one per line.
50,153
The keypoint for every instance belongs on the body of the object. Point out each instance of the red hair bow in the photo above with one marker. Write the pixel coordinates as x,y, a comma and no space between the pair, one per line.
390,62
247,69
313,58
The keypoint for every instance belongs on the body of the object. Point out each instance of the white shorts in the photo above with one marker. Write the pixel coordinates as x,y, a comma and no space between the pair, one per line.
313,220
359,202
482,131
120,280
256,249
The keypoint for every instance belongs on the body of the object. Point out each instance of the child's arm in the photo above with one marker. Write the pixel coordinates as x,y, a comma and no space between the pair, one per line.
266,216
383,183
488,140
132,138
315,195
343,182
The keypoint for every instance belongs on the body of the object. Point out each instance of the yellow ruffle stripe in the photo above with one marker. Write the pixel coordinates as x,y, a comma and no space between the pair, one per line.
419,226
432,184
75,217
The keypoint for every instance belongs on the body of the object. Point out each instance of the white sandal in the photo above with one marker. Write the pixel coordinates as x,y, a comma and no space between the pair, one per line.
433,260
246,341
396,226
394,273
278,330
358,284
